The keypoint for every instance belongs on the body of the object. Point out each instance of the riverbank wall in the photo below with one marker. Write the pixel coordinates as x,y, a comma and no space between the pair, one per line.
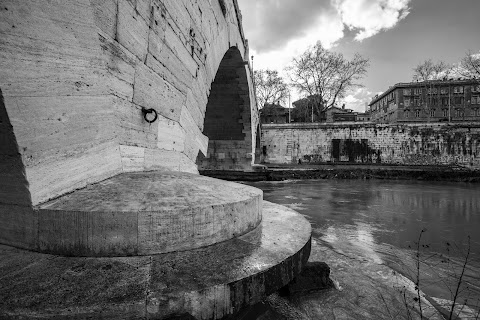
368,143
349,171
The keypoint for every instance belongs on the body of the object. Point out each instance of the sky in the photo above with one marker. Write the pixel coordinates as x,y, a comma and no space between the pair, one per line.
396,35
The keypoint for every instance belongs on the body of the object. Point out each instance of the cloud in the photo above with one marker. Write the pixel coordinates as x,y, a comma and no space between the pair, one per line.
279,58
279,30
357,99
369,17
271,24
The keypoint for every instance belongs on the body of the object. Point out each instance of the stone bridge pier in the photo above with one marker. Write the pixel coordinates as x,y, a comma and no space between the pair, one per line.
108,109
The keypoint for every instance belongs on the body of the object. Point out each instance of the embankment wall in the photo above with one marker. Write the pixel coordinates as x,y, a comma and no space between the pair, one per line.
406,144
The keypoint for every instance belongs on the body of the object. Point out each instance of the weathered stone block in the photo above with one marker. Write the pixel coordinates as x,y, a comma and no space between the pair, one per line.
133,158
132,29
132,128
87,233
120,65
151,91
171,136
19,226
105,14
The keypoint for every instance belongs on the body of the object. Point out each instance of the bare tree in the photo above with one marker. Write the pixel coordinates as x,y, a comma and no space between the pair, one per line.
326,76
426,72
470,65
270,88
429,70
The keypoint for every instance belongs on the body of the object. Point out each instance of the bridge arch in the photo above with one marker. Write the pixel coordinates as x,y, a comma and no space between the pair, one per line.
228,117
89,126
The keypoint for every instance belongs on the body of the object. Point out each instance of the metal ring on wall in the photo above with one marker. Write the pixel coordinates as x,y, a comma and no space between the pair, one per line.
149,111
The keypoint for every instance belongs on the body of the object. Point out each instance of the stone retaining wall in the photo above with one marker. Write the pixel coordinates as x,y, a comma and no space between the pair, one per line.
406,144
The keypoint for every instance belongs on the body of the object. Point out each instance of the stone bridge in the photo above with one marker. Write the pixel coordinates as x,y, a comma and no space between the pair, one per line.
108,110
75,76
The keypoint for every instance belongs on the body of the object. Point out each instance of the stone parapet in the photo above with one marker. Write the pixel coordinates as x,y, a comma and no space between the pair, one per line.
206,283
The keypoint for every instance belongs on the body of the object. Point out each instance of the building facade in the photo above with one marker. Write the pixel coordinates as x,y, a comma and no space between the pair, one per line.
335,114
428,101
274,113
363,116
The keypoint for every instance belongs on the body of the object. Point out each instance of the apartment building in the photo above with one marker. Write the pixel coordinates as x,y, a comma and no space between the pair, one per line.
428,101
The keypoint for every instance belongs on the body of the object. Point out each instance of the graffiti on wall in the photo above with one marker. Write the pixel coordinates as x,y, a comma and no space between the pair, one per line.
432,144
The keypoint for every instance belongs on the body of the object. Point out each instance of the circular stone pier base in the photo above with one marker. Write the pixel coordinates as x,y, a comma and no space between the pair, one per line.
209,282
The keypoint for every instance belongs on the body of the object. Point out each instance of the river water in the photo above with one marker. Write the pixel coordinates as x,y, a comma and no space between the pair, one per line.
382,221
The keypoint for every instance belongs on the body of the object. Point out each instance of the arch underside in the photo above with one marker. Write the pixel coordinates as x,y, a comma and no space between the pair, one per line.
228,118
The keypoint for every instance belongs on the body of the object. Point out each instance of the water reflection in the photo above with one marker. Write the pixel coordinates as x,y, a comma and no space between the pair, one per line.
398,210
381,220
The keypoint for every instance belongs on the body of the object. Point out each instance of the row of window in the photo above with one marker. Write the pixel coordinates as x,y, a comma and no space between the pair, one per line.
443,90
433,113
444,101
417,101
391,96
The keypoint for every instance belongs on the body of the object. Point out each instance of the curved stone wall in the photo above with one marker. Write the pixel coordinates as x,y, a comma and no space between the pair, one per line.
75,76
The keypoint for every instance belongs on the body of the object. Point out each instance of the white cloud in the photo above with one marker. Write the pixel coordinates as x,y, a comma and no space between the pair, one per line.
279,58
357,99
271,24
370,17
279,30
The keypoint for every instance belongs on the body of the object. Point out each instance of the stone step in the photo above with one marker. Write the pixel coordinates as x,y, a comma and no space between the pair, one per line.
143,213
206,283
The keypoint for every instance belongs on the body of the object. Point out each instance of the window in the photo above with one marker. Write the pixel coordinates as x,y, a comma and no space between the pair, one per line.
477,112
406,102
432,90
475,88
432,112
445,101
416,102
458,89
405,113
475,100
459,113
407,92
417,113
444,90
417,91
459,100
445,112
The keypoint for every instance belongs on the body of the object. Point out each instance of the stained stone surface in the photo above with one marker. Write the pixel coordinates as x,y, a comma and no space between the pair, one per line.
139,213
207,283
76,74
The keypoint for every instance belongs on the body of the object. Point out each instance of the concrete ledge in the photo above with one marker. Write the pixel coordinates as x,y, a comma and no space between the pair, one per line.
207,283
139,213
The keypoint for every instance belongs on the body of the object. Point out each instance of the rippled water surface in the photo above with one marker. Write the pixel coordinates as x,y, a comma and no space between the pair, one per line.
381,221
